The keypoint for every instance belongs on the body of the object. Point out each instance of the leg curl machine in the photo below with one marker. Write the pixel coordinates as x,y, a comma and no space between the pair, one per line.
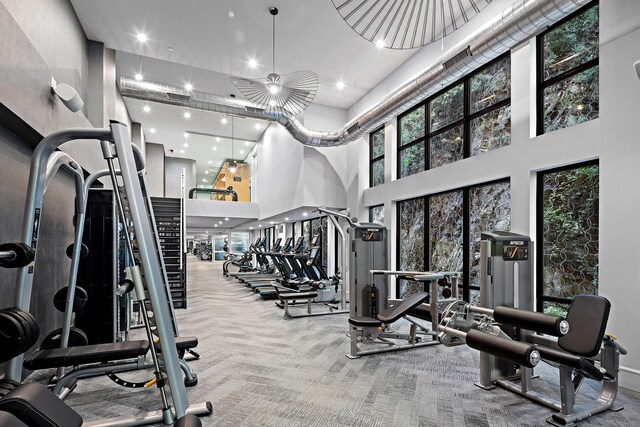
577,345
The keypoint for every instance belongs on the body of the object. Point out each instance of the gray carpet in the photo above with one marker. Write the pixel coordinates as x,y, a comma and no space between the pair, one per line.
260,370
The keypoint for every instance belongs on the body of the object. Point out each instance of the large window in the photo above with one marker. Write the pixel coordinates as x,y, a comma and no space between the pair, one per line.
450,239
568,236
470,117
376,157
568,90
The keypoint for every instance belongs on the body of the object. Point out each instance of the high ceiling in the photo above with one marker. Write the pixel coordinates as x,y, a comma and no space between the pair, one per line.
223,35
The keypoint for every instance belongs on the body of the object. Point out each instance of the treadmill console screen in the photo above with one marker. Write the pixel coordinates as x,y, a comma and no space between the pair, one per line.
371,235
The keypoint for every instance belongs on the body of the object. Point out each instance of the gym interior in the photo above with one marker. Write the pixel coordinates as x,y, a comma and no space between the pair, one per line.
319,213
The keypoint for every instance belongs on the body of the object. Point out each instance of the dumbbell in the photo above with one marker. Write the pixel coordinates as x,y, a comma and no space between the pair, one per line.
446,291
16,255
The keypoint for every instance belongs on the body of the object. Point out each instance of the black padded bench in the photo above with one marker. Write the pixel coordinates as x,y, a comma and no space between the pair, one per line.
182,343
96,353
393,313
289,296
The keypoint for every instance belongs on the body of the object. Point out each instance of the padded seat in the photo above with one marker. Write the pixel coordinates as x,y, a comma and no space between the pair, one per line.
397,311
365,322
97,353
182,343
8,420
421,312
580,364
34,405
288,296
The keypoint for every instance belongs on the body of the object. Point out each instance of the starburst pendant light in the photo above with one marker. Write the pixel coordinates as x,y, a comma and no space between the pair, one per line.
292,92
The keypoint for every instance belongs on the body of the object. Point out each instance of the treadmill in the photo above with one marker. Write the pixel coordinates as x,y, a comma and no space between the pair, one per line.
270,256
290,271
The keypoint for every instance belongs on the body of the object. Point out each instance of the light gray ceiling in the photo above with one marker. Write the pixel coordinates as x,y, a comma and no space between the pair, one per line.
310,34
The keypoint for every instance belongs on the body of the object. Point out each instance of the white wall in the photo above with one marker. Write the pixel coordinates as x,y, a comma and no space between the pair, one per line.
619,177
291,175
613,138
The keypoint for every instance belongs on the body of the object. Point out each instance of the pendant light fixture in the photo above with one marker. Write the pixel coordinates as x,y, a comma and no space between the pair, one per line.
291,92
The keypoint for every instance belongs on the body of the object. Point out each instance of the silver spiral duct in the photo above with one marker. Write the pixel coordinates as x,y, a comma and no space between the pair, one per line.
517,23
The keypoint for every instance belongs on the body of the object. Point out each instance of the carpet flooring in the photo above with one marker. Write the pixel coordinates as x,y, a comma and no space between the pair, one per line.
260,370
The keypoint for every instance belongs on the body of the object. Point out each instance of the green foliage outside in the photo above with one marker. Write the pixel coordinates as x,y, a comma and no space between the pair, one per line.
571,44
571,233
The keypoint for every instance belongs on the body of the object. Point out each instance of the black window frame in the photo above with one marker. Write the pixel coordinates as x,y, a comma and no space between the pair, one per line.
465,121
541,83
373,160
466,233
541,298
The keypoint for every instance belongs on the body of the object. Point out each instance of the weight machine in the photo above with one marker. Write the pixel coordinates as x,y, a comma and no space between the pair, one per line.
513,340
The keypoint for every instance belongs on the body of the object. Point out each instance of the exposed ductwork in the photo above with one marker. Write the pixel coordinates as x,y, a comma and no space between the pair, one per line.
517,23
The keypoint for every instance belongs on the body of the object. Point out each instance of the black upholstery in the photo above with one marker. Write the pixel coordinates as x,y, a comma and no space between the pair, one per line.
504,348
539,322
97,353
185,343
35,405
397,311
188,421
365,322
9,420
297,295
421,312
182,343
584,366
587,317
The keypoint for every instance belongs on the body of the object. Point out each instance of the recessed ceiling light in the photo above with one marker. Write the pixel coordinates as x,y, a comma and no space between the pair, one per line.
340,85
187,115
204,180
138,77
181,151
214,148
207,231
250,228
210,162
226,219
215,225
380,43
188,86
186,134
142,37
257,126
217,139
286,219
186,145
223,120
231,14
247,143
304,214
220,222
146,109
241,151
201,186
206,172
260,225
270,222
253,63
152,130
